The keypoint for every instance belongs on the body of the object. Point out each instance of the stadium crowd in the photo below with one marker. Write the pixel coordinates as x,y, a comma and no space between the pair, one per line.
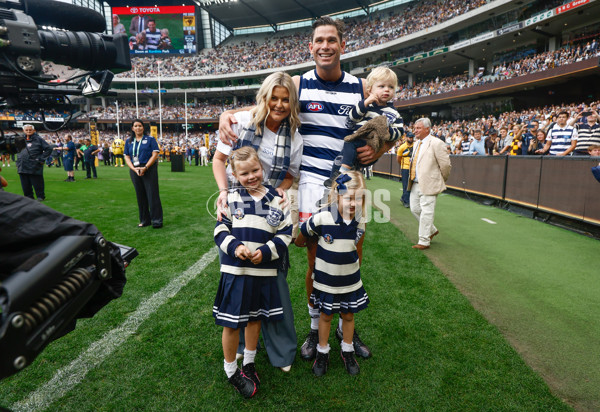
520,132
502,71
285,50
201,110
496,131
171,142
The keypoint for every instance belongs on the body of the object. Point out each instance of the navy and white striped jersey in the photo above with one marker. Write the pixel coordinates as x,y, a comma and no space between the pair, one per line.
260,225
587,136
324,108
360,114
337,266
561,138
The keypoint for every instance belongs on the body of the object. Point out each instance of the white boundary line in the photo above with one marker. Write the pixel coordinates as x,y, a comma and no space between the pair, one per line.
491,222
68,377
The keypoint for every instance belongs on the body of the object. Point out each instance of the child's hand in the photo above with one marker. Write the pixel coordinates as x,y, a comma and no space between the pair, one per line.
256,257
370,100
242,252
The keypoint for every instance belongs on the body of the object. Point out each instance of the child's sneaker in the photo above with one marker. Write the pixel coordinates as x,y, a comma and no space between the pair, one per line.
360,349
320,366
243,384
308,349
250,371
350,363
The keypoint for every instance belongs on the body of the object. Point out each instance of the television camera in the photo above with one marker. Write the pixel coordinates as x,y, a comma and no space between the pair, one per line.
26,41
53,269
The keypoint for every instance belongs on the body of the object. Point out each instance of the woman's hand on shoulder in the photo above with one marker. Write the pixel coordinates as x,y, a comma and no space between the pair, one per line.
226,133
221,205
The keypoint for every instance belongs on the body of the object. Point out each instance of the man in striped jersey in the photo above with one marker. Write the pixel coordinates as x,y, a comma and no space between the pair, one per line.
588,132
326,94
562,138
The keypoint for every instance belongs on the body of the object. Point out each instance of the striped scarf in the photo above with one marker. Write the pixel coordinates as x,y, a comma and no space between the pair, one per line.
281,151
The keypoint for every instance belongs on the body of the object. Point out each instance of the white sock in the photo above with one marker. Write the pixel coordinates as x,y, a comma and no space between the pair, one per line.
323,349
314,317
249,356
230,368
347,347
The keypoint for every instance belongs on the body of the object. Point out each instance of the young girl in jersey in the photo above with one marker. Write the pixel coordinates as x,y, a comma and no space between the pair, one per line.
337,287
253,233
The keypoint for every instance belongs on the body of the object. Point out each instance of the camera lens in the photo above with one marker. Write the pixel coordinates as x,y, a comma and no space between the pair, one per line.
89,51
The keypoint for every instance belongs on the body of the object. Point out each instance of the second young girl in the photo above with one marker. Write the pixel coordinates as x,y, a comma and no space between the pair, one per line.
253,234
337,286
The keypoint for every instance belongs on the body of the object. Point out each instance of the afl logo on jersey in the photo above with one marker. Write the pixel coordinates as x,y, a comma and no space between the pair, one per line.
314,107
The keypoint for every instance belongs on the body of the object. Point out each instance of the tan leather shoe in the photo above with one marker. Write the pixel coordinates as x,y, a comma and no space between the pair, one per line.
420,247
437,232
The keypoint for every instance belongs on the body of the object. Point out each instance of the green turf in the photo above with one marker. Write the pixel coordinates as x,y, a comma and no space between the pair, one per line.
432,350
538,283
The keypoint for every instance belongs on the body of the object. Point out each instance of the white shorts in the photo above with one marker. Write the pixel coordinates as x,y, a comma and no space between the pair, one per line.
309,193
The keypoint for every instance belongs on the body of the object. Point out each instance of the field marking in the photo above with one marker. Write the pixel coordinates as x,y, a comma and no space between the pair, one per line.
491,222
68,377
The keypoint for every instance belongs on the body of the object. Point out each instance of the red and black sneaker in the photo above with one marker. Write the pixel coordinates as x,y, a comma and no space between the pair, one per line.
250,371
321,362
350,363
243,384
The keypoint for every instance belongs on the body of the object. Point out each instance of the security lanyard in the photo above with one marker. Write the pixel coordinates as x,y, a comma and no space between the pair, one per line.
138,148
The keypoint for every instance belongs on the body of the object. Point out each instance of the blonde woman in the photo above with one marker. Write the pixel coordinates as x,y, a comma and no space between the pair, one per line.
271,127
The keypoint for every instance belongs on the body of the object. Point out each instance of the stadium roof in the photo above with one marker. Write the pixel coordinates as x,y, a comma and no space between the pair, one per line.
248,13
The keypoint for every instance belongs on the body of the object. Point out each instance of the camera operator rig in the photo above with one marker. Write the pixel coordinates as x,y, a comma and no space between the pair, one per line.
24,45
53,269
41,299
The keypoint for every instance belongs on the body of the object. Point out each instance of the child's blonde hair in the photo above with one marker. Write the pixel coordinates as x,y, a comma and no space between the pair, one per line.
356,182
381,74
243,154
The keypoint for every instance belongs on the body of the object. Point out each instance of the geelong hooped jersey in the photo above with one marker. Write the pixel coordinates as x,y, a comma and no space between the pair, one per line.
324,108
561,138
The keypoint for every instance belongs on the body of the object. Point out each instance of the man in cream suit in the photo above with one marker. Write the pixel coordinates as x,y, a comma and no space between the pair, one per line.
429,170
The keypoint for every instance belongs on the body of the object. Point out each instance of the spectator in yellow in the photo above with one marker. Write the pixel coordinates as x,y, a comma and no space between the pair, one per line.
404,155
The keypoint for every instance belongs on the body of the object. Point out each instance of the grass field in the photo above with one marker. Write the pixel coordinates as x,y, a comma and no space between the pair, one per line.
160,350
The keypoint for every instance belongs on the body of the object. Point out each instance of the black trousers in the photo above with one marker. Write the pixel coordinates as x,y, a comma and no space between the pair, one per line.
148,199
30,182
90,168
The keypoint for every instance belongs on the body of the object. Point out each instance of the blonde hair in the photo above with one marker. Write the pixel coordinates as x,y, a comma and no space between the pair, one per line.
263,96
382,74
356,182
243,154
